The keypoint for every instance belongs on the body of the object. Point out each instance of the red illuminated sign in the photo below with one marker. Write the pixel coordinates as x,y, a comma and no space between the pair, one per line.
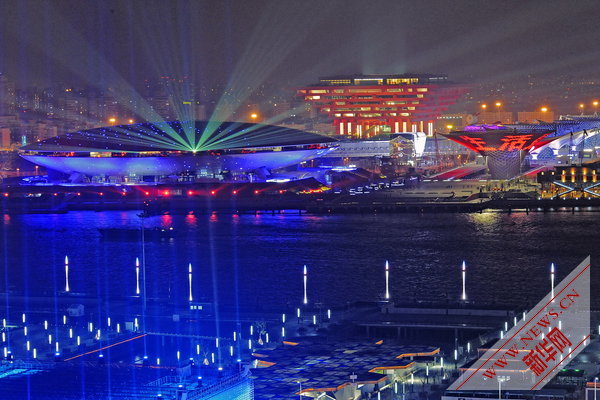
498,140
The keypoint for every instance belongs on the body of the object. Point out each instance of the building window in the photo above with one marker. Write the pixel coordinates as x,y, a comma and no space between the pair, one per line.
368,81
364,90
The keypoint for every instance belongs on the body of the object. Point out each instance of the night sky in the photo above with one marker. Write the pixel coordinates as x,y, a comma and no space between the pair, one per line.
291,42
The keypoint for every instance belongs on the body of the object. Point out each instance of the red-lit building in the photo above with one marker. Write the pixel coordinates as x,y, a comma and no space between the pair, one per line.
362,106
503,146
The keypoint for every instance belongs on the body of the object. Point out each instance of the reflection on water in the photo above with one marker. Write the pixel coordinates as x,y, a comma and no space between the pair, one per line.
259,259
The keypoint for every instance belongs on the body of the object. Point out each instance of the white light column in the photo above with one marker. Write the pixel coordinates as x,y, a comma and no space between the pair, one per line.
387,280
305,279
67,288
190,281
552,280
464,278
137,276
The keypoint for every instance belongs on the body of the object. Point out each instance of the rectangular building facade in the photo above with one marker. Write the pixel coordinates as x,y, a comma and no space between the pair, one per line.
363,106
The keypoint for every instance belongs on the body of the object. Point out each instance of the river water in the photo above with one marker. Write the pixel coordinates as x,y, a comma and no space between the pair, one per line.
254,261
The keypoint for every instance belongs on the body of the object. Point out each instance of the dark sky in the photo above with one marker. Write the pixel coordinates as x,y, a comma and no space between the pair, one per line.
295,41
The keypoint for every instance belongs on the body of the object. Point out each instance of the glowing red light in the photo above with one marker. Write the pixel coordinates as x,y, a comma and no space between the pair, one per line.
147,193
235,192
256,192
166,193
190,193
101,194
56,194
78,194
212,192
281,191
124,194
5,194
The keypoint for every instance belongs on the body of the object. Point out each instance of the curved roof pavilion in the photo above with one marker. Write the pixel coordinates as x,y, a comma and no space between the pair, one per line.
179,136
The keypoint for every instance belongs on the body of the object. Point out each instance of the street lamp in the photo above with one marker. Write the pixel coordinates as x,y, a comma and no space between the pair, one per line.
484,106
544,109
498,104
254,116
595,386
501,379
581,107
595,104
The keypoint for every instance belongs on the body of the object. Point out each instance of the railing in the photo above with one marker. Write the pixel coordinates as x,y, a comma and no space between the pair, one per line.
167,380
200,393
216,388
26,365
